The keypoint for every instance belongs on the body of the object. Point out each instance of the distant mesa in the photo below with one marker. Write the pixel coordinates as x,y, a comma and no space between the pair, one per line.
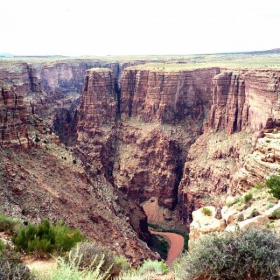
267,51
6,55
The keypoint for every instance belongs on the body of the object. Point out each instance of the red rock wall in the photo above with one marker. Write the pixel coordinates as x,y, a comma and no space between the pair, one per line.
97,116
165,96
243,100
13,119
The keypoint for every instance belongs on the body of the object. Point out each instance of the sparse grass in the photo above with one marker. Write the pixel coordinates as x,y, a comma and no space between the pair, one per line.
148,270
8,225
91,255
69,270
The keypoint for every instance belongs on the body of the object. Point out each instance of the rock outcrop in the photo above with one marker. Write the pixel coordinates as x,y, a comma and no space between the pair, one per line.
96,126
243,100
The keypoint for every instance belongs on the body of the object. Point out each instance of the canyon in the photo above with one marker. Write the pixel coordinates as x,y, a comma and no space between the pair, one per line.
106,145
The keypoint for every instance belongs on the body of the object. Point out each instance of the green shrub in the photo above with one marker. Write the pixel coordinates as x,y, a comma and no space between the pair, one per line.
37,139
240,217
248,197
254,213
250,254
45,239
88,252
270,205
158,267
274,184
9,225
2,246
206,211
275,214
11,267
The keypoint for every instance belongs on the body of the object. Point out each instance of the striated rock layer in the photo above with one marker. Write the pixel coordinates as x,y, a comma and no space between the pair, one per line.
97,121
13,119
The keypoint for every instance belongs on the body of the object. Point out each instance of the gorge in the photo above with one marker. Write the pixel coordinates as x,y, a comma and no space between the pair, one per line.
95,142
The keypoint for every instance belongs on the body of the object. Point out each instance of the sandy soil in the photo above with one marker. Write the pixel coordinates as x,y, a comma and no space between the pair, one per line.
39,265
176,243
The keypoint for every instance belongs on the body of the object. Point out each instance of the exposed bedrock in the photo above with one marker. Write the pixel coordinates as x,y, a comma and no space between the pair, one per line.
166,96
13,118
243,100
96,127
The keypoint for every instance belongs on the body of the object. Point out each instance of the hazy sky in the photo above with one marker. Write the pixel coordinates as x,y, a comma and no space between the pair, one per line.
128,27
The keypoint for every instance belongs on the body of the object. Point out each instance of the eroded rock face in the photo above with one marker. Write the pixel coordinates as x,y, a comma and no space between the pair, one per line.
166,96
243,100
97,119
148,164
13,119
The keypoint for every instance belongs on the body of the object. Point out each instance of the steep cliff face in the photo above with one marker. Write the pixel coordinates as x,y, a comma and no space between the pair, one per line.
166,96
148,164
13,119
243,100
97,121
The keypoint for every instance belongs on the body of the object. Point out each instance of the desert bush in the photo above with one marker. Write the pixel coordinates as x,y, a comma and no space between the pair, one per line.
250,254
206,211
248,197
148,270
2,246
240,217
270,205
158,267
70,270
8,224
275,214
254,213
45,239
273,184
90,251
11,266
